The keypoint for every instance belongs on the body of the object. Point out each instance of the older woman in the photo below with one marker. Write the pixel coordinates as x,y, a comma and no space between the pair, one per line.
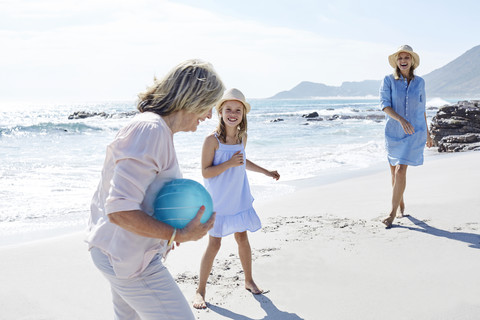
126,243
402,98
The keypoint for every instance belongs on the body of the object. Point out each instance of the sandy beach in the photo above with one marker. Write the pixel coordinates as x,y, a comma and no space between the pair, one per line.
322,254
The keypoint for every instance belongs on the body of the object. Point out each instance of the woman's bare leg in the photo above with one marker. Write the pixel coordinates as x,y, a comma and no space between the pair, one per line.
399,184
402,203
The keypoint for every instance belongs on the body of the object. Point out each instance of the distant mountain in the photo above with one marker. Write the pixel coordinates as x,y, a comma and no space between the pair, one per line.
348,89
458,79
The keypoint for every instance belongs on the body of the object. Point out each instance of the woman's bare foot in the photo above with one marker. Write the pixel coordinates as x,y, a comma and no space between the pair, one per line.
401,213
388,221
252,287
199,301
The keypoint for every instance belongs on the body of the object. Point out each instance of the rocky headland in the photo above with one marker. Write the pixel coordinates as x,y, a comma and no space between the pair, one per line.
456,127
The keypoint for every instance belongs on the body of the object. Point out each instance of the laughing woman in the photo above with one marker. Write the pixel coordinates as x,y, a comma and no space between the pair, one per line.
402,98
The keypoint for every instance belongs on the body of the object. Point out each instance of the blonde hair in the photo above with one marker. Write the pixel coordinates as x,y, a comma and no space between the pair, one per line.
193,86
221,130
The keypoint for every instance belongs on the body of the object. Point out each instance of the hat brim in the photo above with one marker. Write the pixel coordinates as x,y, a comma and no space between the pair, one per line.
392,59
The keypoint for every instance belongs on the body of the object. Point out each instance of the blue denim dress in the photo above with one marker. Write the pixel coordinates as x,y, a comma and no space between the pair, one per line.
408,100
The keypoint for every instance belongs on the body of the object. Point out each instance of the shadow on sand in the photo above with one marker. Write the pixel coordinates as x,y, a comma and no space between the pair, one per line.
272,312
472,239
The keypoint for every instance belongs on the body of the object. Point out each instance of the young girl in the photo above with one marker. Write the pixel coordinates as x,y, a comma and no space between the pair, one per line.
224,167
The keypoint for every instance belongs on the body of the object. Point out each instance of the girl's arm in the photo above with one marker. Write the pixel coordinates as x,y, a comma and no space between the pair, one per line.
407,126
429,138
208,153
256,168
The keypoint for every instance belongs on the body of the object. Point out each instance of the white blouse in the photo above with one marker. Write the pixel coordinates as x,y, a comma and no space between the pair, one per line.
139,161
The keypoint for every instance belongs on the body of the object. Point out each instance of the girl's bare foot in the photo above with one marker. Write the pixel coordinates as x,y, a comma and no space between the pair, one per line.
199,301
252,287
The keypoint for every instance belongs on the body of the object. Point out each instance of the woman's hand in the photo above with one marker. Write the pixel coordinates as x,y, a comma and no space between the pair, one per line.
139,222
195,230
429,141
407,127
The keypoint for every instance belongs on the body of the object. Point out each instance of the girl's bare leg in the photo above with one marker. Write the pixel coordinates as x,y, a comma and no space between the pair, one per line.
245,253
213,247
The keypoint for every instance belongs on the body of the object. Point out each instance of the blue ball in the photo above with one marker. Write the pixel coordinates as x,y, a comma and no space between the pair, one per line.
178,202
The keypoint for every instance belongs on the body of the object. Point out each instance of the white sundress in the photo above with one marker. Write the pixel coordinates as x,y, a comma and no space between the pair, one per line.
232,199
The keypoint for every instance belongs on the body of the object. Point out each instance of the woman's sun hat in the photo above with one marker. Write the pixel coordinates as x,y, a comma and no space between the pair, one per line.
234,94
392,59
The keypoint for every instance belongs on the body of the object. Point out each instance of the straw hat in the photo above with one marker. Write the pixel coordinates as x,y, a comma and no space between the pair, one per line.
234,94
392,59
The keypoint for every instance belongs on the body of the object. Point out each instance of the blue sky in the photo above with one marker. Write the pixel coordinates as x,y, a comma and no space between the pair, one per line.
95,50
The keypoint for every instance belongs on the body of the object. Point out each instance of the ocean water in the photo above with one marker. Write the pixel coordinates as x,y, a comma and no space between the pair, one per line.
50,164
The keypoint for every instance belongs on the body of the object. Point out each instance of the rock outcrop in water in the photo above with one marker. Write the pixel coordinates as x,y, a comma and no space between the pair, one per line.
86,114
457,127
314,116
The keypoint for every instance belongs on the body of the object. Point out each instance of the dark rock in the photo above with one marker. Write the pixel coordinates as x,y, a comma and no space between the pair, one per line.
466,138
376,117
457,127
277,120
311,115
86,114
314,116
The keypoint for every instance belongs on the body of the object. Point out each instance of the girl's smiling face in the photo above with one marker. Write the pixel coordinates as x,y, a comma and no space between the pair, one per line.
404,62
232,113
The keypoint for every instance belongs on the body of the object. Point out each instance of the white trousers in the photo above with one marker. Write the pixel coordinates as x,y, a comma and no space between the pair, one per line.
152,295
